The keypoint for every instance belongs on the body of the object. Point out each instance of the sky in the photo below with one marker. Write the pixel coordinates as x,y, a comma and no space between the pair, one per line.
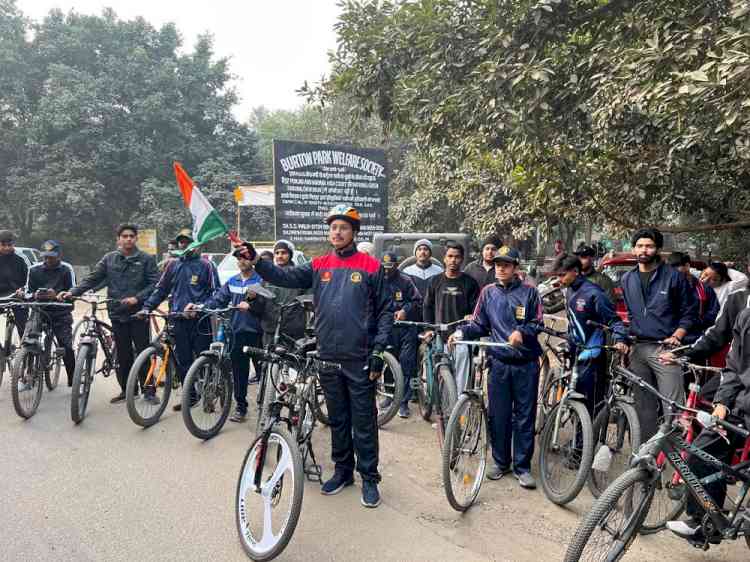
274,45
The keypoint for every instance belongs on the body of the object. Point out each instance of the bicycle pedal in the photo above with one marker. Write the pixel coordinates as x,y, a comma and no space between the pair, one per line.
314,473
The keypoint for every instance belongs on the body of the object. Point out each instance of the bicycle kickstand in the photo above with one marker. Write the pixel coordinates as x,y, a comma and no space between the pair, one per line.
313,471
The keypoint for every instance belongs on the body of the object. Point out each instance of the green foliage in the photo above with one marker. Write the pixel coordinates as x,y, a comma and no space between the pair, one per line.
534,113
93,111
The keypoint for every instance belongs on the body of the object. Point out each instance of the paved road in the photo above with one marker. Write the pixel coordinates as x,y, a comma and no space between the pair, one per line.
109,490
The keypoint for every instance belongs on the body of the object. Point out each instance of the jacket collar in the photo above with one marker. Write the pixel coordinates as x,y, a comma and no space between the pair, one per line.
347,252
580,280
516,282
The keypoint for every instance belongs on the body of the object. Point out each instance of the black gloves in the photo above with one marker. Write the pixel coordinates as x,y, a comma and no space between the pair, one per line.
245,251
375,365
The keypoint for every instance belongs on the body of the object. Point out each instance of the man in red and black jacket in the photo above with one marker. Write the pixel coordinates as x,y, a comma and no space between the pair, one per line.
352,323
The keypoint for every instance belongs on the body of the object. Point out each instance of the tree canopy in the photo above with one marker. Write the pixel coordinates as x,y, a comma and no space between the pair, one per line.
524,113
93,110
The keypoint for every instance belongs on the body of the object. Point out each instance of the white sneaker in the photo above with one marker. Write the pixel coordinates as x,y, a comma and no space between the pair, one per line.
684,529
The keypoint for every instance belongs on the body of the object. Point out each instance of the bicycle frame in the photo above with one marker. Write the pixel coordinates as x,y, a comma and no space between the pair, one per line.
674,447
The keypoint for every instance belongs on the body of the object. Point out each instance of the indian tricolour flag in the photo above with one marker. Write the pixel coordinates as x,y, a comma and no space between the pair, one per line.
207,224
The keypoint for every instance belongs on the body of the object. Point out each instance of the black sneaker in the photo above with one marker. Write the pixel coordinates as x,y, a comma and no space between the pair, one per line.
338,482
253,380
177,407
117,399
370,494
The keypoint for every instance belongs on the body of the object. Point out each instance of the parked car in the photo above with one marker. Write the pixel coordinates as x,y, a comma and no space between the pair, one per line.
403,244
31,256
228,267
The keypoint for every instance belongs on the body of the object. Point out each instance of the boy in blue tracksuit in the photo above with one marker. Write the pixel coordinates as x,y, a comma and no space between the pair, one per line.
587,301
663,309
246,327
511,312
406,303
188,279
352,325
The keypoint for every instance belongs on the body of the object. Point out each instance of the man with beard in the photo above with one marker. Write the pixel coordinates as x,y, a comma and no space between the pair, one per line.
663,309
423,270
483,269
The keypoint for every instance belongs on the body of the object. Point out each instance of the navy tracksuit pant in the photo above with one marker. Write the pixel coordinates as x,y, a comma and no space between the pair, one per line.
353,416
512,390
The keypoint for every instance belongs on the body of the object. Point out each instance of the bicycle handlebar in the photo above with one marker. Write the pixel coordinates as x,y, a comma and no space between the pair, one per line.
520,349
435,327
708,421
280,353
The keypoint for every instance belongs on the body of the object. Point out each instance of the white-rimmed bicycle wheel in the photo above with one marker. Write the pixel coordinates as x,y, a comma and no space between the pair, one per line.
465,453
267,516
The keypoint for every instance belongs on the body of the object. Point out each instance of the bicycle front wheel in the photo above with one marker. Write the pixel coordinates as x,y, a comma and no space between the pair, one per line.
83,376
565,452
424,397
617,435
10,344
389,389
606,533
465,453
670,499
269,494
447,397
52,371
149,385
26,383
206,397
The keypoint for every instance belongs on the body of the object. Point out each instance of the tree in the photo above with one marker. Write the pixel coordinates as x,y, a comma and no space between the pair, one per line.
532,113
97,110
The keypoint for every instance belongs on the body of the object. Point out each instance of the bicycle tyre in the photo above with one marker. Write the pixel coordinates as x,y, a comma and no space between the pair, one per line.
624,413
602,508
149,354
9,346
82,379
246,477
224,397
424,399
569,493
320,406
544,376
271,373
392,364
448,396
52,373
452,434
80,328
26,360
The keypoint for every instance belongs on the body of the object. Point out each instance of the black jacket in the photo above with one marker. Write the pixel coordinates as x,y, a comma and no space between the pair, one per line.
734,390
124,276
61,278
13,274
720,334
477,272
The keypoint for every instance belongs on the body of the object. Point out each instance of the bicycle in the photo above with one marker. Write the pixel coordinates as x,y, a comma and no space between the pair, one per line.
464,456
91,334
550,368
566,444
274,468
153,375
39,358
435,384
11,340
205,408
613,523
669,495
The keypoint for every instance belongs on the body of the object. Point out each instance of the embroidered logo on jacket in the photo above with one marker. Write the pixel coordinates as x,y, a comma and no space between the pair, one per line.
326,276
356,277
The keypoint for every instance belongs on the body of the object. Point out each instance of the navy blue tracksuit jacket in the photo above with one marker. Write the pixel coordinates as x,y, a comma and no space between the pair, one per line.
669,303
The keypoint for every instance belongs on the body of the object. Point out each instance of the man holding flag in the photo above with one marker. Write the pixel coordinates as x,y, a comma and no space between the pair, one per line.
189,278
353,323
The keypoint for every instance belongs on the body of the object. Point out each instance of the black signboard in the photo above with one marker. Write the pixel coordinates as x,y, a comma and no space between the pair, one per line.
310,179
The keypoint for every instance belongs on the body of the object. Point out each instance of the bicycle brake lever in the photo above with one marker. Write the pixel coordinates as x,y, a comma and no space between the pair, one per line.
710,422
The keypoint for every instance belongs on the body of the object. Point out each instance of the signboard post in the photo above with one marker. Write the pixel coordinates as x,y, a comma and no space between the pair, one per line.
147,241
311,178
